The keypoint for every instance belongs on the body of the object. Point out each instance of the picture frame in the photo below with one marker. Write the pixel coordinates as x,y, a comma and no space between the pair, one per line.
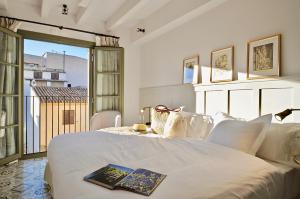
264,57
222,65
191,70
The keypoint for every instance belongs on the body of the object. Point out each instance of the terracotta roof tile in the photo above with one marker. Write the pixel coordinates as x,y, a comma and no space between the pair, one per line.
61,94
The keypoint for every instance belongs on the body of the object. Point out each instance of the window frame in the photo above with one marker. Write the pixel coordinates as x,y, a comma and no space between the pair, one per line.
37,74
54,76
119,73
70,115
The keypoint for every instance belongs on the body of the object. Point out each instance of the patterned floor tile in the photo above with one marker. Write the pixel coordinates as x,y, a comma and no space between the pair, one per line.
24,180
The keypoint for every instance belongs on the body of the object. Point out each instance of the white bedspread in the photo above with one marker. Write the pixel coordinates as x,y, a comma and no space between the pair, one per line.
194,168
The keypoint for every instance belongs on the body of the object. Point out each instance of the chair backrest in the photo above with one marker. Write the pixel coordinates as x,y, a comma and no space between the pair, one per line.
105,119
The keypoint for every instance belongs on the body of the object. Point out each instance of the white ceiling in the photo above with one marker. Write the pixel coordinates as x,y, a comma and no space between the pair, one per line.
81,12
102,8
108,16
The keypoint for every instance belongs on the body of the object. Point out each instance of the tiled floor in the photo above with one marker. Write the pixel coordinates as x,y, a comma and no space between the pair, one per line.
24,180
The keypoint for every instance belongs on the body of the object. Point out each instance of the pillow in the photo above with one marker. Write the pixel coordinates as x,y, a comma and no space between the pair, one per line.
241,135
158,121
2,123
221,116
198,125
281,144
176,126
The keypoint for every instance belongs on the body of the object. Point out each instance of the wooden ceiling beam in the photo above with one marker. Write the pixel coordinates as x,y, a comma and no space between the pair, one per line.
127,10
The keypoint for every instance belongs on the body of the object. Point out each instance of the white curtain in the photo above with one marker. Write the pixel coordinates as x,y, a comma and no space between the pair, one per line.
108,80
10,24
8,57
107,41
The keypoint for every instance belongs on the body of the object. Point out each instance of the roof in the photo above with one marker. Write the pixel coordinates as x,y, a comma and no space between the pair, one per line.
45,80
61,94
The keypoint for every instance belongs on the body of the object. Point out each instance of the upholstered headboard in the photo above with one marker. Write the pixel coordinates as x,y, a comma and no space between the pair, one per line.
172,96
251,98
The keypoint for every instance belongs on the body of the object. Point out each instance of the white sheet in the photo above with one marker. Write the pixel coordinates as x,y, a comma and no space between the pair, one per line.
291,179
195,169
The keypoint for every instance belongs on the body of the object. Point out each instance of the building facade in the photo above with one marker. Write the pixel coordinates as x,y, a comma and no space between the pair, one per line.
46,76
61,110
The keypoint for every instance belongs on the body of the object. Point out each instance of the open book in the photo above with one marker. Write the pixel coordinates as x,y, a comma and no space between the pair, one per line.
112,176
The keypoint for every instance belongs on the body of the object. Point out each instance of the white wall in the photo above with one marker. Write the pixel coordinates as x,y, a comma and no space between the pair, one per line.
76,68
234,22
54,60
77,71
32,59
132,65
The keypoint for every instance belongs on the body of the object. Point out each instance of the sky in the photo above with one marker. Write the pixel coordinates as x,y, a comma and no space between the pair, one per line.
40,47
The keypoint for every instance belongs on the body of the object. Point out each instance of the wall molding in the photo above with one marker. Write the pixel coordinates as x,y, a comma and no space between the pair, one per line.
251,98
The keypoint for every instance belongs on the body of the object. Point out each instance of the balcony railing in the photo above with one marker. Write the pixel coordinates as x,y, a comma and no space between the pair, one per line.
49,116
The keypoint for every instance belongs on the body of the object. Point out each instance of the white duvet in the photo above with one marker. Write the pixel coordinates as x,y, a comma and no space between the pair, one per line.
194,168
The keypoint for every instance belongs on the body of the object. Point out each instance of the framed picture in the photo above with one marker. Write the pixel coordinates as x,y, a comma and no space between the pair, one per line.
221,65
191,70
264,57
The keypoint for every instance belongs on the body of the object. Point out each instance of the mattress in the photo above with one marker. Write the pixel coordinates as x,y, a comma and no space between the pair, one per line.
291,179
194,168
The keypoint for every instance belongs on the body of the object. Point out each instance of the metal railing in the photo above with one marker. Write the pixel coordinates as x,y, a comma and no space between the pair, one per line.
49,116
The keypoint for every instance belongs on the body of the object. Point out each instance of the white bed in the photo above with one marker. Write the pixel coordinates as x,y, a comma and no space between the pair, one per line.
194,168
291,179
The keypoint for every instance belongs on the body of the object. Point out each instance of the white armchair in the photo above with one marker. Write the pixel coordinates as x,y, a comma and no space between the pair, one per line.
105,119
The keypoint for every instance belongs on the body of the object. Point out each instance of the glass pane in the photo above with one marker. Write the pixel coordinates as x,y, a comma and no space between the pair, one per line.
8,111
107,103
8,48
8,142
107,61
8,79
108,84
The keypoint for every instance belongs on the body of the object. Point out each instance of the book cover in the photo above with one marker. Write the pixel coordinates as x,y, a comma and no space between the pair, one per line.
140,181
108,176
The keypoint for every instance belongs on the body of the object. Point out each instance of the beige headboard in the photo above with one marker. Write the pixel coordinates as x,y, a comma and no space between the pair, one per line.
172,96
251,98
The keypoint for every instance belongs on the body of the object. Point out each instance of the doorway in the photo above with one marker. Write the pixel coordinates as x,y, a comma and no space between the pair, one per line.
42,99
56,90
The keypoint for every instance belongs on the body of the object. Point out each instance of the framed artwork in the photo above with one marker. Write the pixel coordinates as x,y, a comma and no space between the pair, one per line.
264,57
221,65
191,70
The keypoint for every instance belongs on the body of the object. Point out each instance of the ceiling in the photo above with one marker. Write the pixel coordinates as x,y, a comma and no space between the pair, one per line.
83,12
108,16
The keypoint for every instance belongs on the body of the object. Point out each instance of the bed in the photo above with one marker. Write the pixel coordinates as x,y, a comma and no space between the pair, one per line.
194,168
291,179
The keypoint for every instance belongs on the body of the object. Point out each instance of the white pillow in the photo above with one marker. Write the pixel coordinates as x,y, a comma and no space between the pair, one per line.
281,144
241,135
221,116
176,126
198,125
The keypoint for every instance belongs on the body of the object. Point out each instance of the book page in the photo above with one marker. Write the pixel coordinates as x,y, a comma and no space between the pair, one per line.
141,181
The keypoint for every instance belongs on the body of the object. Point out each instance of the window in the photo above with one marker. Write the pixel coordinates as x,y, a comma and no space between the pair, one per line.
38,75
55,76
109,80
68,117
